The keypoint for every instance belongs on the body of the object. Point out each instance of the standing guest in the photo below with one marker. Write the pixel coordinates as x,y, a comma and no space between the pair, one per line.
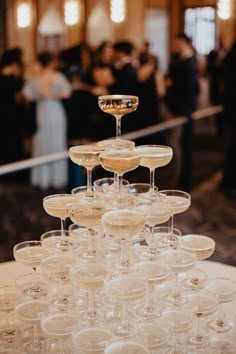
11,142
229,104
47,89
181,98
126,80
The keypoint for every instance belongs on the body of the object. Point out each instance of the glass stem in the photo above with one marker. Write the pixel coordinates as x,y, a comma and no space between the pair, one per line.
89,179
118,127
152,180
63,226
91,245
91,311
36,335
197,333
151,249
220,313
119,186
123,259
171,224
61,344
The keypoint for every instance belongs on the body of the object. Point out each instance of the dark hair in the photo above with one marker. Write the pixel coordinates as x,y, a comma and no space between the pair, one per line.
124,46
184,37
8,58
45,58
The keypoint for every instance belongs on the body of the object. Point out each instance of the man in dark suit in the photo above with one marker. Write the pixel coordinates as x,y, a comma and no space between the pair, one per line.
181,98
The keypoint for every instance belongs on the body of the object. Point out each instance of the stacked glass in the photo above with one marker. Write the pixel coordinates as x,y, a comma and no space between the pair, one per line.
116,281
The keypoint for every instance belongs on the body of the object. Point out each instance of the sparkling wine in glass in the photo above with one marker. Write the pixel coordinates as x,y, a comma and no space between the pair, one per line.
179,261
178,201
123,224
118,106
30,311
58,205
225,291
153,157
86,156
203,247
29,253
202,305
88,214
120,162
124,288
91,339
59,325
89,276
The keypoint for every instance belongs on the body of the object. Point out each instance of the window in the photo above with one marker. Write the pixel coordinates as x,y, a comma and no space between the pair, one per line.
23,15
71,12
200,27
118,10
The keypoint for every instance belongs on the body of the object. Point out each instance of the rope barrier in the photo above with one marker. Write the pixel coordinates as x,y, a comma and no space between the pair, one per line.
173,123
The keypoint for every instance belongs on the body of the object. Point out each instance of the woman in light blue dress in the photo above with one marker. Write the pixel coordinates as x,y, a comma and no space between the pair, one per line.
47,89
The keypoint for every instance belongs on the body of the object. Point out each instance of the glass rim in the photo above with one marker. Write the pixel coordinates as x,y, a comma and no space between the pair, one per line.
175,191
118,97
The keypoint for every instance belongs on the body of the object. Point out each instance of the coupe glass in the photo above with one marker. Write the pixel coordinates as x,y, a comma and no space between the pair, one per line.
32,285
120,162
55,268
86,156
179,321
123,224
29,253
203,247
178,201
9,330
90,277
109,185
92,339
155,213
30,311
225,291
88,214
59,325
58,205
152,157
163,238
118,106
179,261
54,242
202,305
124,288
153,334
154,273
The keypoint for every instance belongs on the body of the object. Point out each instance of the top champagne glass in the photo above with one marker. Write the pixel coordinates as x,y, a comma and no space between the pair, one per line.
118,106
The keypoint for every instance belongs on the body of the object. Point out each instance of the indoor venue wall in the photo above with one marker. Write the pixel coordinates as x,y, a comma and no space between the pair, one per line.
95,24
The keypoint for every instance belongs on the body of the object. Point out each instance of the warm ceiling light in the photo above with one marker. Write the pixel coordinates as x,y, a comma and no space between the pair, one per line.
118,10
71,12
23,15
224,9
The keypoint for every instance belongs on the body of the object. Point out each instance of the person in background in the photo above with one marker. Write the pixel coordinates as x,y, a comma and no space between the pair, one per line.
228,183
126,80
47,89
11,111
181,99
215,71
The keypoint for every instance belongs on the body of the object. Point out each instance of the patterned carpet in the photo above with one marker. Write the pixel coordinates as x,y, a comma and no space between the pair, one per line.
211,213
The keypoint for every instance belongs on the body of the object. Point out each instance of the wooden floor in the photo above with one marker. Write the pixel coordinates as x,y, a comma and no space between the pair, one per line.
211,213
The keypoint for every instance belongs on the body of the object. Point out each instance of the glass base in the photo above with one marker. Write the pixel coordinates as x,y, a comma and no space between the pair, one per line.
123,329
32,347
199,340
148,311
194,280
174,298
221,326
